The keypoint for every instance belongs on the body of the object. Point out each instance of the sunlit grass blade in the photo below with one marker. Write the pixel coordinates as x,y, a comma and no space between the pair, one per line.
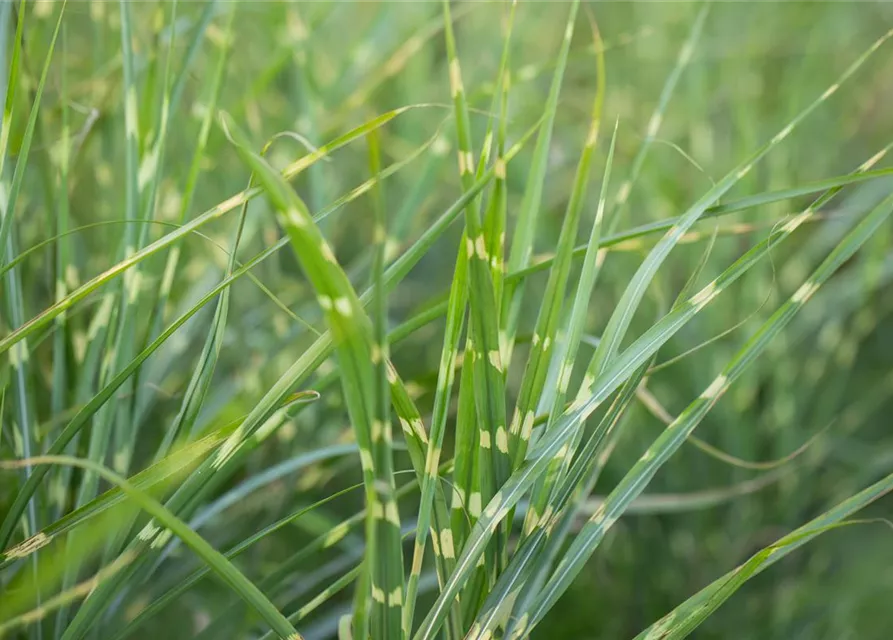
154,475
174,526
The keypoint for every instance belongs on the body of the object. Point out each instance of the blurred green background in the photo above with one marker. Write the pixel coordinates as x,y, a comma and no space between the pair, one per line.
318,69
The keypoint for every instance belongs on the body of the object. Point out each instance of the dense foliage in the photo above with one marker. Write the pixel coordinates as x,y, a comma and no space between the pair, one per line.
396,320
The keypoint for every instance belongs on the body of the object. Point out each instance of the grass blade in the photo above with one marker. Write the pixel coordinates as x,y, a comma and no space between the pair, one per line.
174,526
522,238
685,618
354,343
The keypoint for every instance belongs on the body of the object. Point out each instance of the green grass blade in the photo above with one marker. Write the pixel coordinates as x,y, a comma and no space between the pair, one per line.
484,356
685,618
9,193
354,343
566,351
525,229
496,214
466,494
430,480
657,116
386,619
545,334
64,274
174,526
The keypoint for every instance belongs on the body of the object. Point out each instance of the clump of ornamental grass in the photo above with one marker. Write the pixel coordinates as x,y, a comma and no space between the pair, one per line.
153,414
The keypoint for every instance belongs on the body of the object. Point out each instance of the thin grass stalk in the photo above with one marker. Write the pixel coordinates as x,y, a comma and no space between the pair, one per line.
63,276
431,481
682,61
496,214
